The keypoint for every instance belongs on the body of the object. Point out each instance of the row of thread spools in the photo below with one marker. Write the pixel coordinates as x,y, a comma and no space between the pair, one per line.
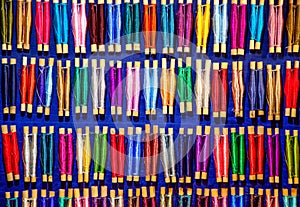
202,88
147,197
184,154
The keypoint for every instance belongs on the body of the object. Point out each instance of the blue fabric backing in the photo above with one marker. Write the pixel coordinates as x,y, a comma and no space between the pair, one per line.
176,122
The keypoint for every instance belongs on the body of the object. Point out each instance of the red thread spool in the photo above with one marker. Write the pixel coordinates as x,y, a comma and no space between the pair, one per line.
155,155
215,90
218,155
295,86
224,90
121,157
288,88
113,157
252,156
11,155
147,156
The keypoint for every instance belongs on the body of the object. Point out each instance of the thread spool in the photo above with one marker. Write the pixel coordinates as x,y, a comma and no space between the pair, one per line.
129,66
207,132
172,69
190,132
137,64
198,132
65,96
51,64
41,64
155,132
122,133
189,105
216,67
12,109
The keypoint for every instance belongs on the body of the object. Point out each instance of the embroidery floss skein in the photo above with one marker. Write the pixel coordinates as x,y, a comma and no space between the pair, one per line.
81,201
185,200
238,154
47,201
99,200
256,200
79,25
291,88
83,154
100,152
11,154
113,25
150,86
256,89
45,85
65,154
202,152
30,153
272,201
274,92
61,26
117,155
237,200
167,26
168,86
151,153
96,25
238,24
185,153
184,26
27,84
166,199
220,26
12,201
47,153
132,25
202,86
168,155
42,24
292,158
275,26
133,88
238,88
220,90
81,88
273,155
292,26
202,200
30,201
134,201
9,86
149,27
256,153
7,19
202,26
256,24
23,24
219,201
134,152
221,155
184,85
116,87
117,201
289,201
63,88
65,200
